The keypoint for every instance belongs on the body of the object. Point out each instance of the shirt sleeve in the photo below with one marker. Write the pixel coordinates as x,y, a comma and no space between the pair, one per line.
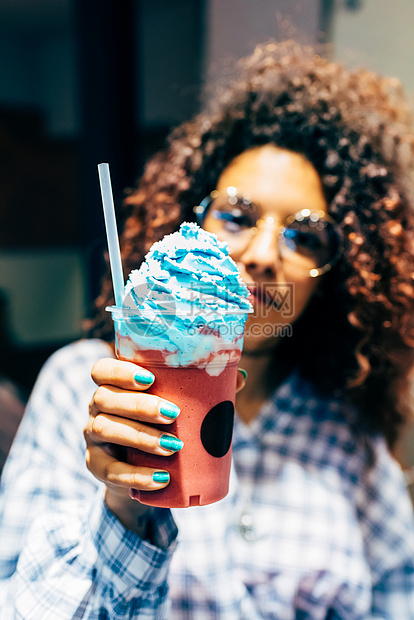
62,553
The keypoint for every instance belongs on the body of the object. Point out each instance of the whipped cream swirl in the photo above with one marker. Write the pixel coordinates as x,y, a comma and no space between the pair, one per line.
187,299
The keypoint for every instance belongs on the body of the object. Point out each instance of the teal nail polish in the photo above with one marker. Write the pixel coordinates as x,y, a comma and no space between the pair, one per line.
169,410
145,377
171,443
161,476
243,372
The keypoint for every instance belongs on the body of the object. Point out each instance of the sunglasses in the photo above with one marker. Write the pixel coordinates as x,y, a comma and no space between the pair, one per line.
308,241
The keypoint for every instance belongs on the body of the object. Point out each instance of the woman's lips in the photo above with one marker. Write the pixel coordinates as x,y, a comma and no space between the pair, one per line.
259,295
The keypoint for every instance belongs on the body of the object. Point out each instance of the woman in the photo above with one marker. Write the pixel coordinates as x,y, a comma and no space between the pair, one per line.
303,168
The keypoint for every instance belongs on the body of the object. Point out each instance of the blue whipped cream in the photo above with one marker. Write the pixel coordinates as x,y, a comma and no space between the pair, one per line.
190,298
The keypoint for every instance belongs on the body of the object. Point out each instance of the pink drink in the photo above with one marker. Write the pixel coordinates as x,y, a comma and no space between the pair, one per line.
182,316
199,472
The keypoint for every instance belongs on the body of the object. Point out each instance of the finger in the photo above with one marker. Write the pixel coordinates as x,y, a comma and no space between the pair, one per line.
126,375
118,474
111,429
133,405
241,379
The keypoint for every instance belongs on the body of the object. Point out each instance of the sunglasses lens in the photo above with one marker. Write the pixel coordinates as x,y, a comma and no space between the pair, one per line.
311,243
231,219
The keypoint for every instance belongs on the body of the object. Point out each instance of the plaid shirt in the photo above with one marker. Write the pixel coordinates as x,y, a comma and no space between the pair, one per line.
306,532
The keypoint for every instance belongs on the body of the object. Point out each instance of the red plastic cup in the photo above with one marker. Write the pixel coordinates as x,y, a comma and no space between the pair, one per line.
205,393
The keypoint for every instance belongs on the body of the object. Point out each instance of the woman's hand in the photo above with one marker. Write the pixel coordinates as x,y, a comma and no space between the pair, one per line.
118,414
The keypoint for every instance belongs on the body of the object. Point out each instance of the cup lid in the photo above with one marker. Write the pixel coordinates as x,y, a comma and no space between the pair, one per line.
171,309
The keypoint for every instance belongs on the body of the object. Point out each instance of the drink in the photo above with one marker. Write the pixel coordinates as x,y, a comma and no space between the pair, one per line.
205,393
182,317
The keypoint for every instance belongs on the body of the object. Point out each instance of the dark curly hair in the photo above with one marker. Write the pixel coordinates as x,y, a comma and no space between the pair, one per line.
357,333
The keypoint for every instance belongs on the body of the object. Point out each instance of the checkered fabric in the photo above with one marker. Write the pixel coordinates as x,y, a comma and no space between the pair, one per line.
307,530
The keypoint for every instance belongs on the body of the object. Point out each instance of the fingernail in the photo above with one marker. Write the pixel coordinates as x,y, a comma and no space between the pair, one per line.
169,410
243,372
145,377
171,443
160,476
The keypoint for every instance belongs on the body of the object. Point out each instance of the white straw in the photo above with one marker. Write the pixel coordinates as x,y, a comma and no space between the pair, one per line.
111,233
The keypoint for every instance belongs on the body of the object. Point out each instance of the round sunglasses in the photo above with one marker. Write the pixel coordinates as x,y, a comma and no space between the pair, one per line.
308,240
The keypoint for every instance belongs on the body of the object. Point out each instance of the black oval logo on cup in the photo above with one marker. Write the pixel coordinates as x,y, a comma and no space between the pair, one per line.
217,429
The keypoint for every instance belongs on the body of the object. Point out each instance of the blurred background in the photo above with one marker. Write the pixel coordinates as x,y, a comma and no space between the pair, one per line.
83,82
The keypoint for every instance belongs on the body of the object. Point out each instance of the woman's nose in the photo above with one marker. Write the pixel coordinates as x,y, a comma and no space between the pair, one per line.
260,257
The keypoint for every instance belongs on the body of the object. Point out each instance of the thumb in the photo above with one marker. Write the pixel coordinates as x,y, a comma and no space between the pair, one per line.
241,379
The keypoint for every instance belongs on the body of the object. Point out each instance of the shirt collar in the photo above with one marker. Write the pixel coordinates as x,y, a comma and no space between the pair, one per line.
284,400
294,396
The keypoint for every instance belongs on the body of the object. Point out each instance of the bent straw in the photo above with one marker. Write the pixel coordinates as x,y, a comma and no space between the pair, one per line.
111,233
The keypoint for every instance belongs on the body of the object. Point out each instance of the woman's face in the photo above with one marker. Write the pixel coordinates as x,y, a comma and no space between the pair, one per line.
280,183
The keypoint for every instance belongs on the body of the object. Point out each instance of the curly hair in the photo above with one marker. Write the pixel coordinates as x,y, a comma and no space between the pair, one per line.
357,333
